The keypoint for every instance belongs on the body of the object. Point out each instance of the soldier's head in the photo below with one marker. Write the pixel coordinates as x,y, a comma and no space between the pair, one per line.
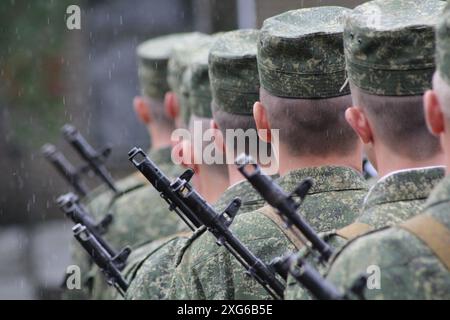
235,83
182,53
153,57
437,101
199,152
389,50
303,94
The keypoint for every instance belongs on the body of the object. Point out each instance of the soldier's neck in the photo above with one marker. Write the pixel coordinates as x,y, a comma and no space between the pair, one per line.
290,162
388,162
211,184
234,176
160,137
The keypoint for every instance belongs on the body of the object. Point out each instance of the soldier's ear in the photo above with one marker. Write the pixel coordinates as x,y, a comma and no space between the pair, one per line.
171,105
433,113
262,123
218,136
357,119
187,155
142,110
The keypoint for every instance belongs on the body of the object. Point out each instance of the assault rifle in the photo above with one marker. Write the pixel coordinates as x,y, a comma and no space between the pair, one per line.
109,264
185,200
94,159
65,168
74,210
285,204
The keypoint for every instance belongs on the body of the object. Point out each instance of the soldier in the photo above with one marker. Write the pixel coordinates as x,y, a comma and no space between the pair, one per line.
142,216
302,71
411,260
387,111
152,279
234,82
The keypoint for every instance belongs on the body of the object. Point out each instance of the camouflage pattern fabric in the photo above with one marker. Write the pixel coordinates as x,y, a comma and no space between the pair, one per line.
152,278
371,32
251,201
177,65
301,53
196,83
153,57
209,272
393,199
233,71
101,290
408,267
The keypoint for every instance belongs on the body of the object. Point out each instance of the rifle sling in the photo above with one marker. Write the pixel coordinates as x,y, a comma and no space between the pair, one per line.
433,233
353,230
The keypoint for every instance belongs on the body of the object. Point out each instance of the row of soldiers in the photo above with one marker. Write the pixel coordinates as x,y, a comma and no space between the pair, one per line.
337,84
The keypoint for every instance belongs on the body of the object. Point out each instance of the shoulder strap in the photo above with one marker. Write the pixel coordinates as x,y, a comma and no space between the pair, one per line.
353,230
292,234
433,233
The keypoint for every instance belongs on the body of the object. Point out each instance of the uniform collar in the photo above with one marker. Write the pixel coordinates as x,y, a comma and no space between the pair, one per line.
440,194
404,185
326,179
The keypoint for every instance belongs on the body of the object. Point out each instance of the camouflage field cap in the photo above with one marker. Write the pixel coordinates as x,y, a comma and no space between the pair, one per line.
153,56
233,71
301,54
181,57
389,46
443,46
196,86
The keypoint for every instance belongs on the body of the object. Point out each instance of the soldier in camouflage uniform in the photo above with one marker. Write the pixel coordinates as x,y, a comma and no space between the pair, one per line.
387,112
302,70
413,257
153,277
142,216
234,81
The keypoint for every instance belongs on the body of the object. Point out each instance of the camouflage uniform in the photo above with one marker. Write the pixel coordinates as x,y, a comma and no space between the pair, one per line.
375,68
411,266
393,199
209,272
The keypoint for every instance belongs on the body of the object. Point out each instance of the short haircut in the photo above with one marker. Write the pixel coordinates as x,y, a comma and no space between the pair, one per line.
205,125
311,126
230,121
158,112
399,122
